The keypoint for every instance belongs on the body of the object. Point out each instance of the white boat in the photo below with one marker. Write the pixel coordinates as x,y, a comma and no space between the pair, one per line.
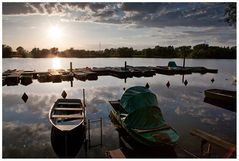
67,114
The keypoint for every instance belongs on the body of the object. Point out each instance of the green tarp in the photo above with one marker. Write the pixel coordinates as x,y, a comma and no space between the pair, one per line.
145,118
137,97
142,107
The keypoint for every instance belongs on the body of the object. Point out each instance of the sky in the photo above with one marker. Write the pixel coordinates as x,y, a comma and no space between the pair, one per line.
100,25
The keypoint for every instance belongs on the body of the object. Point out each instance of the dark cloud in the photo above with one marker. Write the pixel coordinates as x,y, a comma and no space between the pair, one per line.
141,14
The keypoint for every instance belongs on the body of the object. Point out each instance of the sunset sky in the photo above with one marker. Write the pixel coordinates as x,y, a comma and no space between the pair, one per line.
113,25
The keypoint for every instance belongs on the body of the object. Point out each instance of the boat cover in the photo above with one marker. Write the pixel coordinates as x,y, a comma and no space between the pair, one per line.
142,107
137,97
146,118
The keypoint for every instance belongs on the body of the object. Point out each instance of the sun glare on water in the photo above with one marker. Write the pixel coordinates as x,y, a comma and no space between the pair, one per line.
56,63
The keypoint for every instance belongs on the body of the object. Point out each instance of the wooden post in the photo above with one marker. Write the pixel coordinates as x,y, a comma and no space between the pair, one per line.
89,131
84,97
184,61
125,64
70,66
66,148
101,125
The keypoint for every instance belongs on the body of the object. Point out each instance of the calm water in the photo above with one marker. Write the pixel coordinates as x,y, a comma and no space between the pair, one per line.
27,130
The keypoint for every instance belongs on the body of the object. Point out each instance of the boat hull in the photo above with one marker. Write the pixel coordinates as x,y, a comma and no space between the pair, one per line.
222,95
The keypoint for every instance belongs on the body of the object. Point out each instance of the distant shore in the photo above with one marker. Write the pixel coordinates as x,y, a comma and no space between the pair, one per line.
200,51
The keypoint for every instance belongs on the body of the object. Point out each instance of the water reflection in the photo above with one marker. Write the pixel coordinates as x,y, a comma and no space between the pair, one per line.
56,63
26,140
68,144
26,129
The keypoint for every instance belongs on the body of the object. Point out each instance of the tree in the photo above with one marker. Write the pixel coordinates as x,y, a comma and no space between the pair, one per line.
21,52
231,14
54,51
35,53
6,51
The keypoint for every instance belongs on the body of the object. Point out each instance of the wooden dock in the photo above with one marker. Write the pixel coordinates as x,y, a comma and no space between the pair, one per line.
117,153
13,77
209,140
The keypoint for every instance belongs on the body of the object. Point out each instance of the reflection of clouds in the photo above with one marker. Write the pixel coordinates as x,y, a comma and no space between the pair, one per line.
36,104
26,140
227,117
212,121
188,101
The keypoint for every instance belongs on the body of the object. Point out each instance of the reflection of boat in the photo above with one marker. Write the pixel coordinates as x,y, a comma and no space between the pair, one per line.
138,113
67,144
222,95
67,114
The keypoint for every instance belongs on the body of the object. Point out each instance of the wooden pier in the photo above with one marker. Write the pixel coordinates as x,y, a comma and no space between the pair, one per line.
13,77
210,140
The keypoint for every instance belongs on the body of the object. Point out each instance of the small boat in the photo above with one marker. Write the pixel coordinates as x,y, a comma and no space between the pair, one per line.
26,79
221,94
67,114
137,112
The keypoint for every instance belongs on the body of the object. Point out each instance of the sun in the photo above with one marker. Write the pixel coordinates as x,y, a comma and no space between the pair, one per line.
55,32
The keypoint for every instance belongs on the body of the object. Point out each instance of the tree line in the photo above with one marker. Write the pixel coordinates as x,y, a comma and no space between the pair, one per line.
200,51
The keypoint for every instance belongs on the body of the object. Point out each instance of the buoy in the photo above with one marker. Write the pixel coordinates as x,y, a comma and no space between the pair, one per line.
212,80
185,82
147,85
168,84
24,97
64,94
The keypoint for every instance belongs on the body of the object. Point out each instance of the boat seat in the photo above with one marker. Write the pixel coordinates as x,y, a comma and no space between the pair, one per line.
68,109
69,103
163,127
68,116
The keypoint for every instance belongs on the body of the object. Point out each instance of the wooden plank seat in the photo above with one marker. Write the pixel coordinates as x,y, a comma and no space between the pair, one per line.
67,109
69,103
163,127
68,116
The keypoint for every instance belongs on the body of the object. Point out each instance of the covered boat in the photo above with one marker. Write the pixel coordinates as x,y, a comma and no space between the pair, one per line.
67,114
138,113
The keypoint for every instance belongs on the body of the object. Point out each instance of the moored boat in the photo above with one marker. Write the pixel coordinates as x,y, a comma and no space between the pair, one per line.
67,114
138,113
221,94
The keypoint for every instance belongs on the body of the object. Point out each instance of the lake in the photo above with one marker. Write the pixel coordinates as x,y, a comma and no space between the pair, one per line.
27,132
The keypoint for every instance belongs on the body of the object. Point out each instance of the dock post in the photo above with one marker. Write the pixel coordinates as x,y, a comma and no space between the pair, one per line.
184,61
101,131
84,110
89,131
70,66
84,97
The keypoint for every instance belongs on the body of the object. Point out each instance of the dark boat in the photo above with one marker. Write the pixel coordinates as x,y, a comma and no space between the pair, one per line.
67,114
222,98
221,94
138,113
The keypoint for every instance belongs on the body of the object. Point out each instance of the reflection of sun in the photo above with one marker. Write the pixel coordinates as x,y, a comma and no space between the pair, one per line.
56,63
55,32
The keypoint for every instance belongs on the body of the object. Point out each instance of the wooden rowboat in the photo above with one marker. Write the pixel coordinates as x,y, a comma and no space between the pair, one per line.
222,95
138,114
67,114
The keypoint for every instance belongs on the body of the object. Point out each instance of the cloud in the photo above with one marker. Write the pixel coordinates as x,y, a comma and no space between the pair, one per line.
141,14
